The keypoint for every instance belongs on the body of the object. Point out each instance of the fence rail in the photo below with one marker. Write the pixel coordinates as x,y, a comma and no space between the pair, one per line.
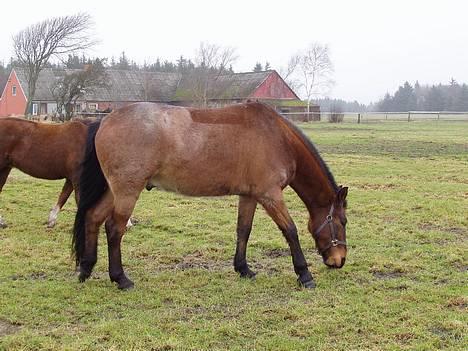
368,117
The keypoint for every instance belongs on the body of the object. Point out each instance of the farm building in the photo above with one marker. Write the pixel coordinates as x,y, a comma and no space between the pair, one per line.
125,87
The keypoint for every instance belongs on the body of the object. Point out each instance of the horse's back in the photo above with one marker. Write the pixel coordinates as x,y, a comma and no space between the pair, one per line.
234,150
42,150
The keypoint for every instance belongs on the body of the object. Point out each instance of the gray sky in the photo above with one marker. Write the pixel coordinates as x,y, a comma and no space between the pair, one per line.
375,45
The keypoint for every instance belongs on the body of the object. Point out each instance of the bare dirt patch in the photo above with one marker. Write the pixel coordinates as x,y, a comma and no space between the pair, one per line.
32,276
452,230
369,186
387,275
7,328
458,302
274,253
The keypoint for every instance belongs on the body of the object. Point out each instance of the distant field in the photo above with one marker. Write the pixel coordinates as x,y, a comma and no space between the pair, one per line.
404,285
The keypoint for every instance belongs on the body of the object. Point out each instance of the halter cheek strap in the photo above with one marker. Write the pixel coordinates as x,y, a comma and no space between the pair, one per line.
334,241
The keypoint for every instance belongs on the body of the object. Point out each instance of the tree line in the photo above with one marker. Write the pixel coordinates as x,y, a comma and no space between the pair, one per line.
339,105
441,97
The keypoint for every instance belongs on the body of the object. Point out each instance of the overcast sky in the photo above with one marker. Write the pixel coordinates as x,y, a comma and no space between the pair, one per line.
375,45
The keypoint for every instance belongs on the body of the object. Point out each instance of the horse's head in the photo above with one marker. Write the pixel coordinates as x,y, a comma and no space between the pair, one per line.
328,228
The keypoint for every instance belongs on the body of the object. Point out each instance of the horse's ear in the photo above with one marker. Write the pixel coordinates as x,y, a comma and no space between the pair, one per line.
341,194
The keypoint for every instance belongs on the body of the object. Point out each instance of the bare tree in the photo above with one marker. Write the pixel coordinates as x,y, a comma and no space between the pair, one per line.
76,84
35,45
288,72
315,68
210,77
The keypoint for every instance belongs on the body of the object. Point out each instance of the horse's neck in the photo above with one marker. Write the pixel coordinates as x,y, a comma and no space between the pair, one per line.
311,183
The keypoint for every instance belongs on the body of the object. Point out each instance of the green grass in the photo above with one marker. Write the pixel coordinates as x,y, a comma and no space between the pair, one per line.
403,286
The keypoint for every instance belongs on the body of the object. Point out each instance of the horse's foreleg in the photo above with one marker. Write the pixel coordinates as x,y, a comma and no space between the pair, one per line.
63,197
277,210
246,211
115,229
3,177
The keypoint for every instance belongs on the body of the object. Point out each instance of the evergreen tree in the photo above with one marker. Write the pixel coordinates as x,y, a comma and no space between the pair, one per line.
123,62
462,103
258,67
435,99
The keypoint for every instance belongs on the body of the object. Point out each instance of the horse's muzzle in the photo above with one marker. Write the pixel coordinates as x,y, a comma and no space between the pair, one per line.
335,262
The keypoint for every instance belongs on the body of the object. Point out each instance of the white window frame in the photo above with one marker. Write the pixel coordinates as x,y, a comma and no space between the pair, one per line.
35,108
92,107
13,90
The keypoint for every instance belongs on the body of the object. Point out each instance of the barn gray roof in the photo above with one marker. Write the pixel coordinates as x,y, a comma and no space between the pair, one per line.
132,86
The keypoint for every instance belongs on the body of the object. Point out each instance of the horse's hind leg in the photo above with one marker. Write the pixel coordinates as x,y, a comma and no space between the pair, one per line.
115,229
3,177
277,210
94,218
246,211
63,197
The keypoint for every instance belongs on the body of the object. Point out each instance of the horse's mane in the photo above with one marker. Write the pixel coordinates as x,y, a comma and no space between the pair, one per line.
305,141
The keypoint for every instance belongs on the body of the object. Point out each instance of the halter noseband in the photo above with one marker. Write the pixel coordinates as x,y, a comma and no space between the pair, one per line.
334,241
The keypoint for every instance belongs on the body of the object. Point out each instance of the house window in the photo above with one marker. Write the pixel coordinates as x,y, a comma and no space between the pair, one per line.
92,107
13,90
34,109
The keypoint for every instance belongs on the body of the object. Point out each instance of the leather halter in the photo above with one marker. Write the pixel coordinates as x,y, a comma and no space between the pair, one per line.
334,241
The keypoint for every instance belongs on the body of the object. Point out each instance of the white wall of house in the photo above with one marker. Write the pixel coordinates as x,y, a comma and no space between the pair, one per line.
51,107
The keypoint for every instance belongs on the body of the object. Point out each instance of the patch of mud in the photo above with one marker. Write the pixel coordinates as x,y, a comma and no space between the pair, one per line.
404,337
450,234
195,260
7,328
458,231
445,333
274,253
458,303
368,186
385,275
32,276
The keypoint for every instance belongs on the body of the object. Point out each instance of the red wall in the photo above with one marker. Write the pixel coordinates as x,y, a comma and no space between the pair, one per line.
12,105
273,88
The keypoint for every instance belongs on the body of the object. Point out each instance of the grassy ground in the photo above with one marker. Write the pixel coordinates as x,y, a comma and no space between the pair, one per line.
403,286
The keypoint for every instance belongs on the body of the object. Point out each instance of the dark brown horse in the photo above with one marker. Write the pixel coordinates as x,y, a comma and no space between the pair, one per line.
247,150
46,151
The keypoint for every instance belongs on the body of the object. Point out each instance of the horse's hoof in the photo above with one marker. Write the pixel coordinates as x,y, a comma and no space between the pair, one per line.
83,276
126,285
310,284
248,274
50,225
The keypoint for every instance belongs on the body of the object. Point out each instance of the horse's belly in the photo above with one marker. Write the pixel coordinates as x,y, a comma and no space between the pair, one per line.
195,186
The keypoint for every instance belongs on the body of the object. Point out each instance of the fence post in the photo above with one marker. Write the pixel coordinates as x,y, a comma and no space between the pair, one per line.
409,116
358,118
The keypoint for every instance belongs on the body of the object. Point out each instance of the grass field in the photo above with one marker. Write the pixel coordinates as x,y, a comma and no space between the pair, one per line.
404,286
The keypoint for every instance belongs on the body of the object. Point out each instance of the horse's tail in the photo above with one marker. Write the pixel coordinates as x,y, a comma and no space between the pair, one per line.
92,187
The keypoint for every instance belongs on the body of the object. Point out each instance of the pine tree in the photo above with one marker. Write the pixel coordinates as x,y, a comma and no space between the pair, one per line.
258,67
123,61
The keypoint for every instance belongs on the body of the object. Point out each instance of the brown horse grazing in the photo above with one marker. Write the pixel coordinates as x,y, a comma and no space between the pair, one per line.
46,151
247,150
